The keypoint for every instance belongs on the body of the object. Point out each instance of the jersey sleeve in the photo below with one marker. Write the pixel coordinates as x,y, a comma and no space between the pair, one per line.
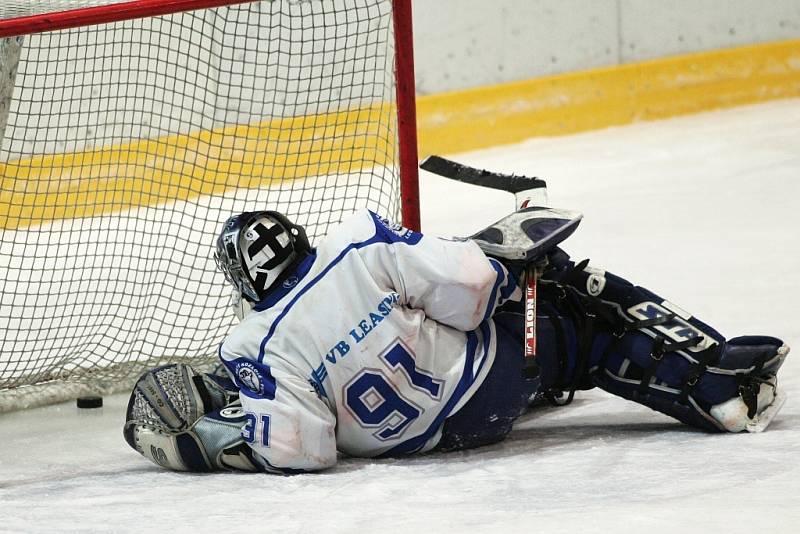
453,281
287,424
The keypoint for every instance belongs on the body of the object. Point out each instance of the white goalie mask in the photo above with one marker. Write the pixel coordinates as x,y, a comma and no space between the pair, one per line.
256,250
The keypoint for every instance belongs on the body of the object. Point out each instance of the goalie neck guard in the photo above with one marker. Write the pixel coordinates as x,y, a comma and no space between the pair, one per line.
257,250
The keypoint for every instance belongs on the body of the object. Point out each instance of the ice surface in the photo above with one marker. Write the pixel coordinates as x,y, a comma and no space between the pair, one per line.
702,209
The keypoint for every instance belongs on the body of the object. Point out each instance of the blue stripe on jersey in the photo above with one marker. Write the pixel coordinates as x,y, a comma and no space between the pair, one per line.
377,238
487,338
507,280
511,285
501,277
247,393
467,379
318,376
290,283
393,232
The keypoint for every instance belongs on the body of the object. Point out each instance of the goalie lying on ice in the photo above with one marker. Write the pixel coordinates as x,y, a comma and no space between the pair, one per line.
383,342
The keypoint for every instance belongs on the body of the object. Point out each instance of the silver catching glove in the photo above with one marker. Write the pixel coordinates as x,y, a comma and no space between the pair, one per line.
187,421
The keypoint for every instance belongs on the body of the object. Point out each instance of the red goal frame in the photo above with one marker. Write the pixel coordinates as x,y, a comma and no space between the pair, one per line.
403,62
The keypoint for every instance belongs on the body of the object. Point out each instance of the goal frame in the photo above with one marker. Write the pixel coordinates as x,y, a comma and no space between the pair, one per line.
12,31
403,64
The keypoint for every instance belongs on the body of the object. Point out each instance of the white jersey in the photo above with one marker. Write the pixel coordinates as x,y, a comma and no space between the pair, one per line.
376,338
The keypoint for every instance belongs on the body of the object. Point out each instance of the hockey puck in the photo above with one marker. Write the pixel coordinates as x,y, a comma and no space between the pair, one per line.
93,401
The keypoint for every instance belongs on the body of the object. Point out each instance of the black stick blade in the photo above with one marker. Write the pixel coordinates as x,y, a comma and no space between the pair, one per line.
470,175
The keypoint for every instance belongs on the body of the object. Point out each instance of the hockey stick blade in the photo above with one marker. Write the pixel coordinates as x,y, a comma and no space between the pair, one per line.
511,183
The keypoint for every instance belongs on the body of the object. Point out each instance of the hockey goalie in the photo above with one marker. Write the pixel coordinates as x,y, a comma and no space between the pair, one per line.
383,342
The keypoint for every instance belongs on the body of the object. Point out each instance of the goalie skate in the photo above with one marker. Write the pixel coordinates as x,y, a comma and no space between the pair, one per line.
733,414
762,420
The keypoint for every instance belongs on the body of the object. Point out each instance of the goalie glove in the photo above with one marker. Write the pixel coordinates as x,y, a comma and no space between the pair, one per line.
187,421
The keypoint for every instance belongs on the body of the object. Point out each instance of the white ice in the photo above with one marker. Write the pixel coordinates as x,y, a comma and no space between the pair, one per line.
702,209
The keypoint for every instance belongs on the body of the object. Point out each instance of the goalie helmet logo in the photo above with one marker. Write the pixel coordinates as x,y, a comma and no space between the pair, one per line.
267,251
256,250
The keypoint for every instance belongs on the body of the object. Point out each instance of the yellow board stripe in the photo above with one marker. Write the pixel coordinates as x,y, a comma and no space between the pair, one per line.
181,167
575,102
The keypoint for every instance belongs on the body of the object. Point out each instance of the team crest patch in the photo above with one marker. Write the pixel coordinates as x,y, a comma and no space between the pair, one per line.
290,282
255,377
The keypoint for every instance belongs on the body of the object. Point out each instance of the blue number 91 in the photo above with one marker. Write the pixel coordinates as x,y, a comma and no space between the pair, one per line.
375,402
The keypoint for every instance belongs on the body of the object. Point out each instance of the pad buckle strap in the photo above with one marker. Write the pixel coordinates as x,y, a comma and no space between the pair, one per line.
680,345
580,308
656,354
658,350
691,381
749,393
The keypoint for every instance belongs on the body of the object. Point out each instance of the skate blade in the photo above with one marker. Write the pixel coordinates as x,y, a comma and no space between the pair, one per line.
762,420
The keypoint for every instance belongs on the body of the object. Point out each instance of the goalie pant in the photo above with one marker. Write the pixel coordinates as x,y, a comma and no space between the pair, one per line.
596,329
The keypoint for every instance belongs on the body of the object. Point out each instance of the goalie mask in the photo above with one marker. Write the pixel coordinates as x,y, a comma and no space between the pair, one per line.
257,250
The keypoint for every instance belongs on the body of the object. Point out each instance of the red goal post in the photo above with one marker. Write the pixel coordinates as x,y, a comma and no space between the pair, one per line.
157,187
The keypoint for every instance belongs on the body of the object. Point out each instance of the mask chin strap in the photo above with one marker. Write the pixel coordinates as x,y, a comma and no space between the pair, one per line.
248,291
241,306
236,277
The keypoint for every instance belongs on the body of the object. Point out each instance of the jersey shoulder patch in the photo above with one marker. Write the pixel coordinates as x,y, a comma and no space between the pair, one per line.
393,232
253,378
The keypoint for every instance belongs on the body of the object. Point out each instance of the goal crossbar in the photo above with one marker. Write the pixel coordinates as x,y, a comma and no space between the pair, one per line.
66,14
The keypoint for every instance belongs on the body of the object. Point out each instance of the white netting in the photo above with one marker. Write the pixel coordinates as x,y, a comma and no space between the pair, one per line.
128,143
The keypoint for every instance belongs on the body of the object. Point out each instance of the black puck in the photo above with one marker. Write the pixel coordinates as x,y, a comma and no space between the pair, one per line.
92,401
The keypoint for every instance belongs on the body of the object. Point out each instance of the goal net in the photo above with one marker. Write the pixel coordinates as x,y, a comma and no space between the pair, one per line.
126,143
